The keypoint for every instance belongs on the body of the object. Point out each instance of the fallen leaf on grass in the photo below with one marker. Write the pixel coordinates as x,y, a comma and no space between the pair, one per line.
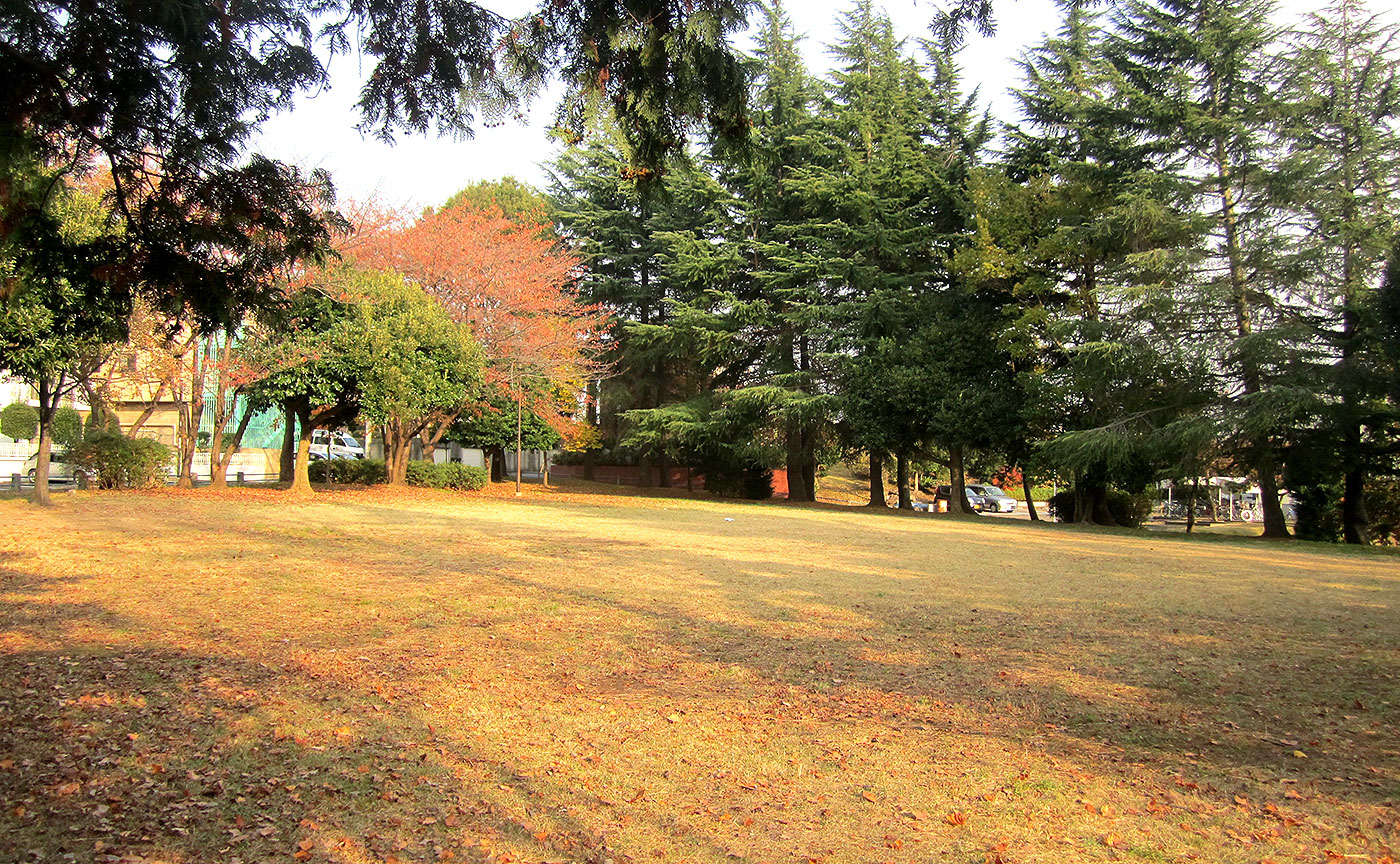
868,796
957,818
1112,841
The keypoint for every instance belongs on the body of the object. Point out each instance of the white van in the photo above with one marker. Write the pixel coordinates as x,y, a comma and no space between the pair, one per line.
335,445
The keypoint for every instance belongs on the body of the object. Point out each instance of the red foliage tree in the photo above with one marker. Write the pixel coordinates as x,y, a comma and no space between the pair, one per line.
514,284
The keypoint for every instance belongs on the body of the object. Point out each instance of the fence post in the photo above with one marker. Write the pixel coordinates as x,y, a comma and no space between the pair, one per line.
240,478
15,480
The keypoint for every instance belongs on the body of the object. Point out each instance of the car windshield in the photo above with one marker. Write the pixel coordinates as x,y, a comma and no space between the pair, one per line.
994,492
348,441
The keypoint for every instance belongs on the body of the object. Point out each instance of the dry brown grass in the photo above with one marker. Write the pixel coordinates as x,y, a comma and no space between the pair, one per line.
368,676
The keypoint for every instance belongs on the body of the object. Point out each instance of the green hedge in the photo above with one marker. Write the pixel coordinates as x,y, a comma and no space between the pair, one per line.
447,475
364,472
119,462
368,472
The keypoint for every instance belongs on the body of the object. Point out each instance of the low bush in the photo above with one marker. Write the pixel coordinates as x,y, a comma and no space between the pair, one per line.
1127,509
348,472
446,475
119,462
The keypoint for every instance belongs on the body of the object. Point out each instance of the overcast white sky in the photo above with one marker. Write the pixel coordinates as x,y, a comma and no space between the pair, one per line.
421,171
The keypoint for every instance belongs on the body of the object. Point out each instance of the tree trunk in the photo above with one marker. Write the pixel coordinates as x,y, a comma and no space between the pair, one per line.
41,466
1355,521
644,476
396,452
957,496
221,456
664,470
191,414
902,473
544,468
1191,504
496,453
301,476
590,460
796,463
877,480
1030,501
1275,526
286,465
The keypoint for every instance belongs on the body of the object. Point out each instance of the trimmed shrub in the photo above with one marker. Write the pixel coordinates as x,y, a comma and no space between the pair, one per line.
347,472
19,421
448,475
1061,505
1127,509
119,462
749,481
67,428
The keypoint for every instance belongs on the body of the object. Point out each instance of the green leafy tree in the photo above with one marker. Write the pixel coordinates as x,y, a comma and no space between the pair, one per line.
659,347
1197,70
414,361
169,101
492,426
1340,175
54,335
1098,248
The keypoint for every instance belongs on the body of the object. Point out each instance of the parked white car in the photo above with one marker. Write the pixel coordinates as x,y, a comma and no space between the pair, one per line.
335,445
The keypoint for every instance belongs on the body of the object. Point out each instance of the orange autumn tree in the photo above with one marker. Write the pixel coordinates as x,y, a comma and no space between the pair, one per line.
513,283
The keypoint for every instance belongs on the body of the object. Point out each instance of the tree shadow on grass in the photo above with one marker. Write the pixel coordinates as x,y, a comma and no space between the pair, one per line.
1203,687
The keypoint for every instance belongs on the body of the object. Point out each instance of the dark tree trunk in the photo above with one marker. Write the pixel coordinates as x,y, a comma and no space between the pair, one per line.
957,493
645,479
664,466
1191,504
590,461
1355,521
286,466
1030,501
1275,526
877,480
497,456
796,462
902,473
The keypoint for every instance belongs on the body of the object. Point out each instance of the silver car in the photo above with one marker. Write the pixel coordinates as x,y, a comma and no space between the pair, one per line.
60,469
997,500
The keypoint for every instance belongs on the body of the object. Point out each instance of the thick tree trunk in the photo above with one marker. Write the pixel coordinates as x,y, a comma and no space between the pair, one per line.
497,456
1275,526
906,502
1355,520
301,476
645,479
877,481
590,460
1030,501
957,497
286,466
664,470
1191,504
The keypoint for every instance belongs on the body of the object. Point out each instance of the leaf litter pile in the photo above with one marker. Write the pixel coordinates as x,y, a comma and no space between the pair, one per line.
379,677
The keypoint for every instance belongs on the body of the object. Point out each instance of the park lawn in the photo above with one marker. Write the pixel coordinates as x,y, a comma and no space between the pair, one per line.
371,676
